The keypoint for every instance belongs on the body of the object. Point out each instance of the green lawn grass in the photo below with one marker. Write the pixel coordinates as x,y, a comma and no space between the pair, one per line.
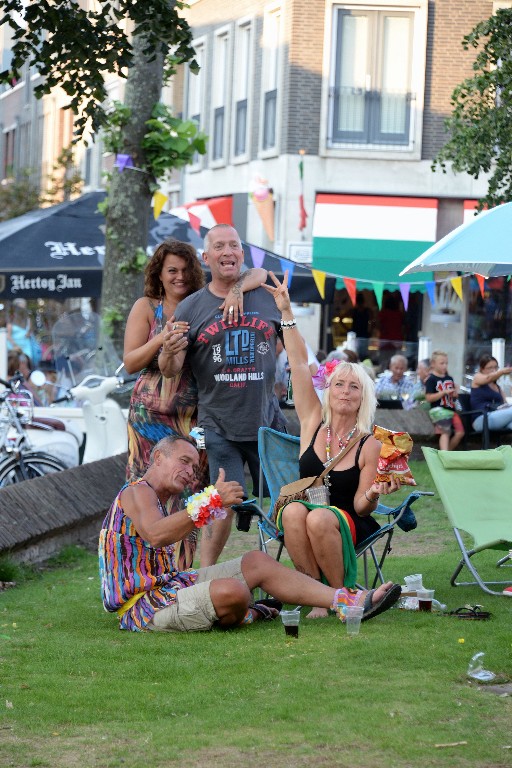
75,691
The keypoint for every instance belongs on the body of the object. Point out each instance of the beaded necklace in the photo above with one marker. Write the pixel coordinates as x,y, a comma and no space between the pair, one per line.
342,441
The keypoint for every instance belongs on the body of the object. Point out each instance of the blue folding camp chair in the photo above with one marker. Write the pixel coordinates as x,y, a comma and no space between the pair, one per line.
279,465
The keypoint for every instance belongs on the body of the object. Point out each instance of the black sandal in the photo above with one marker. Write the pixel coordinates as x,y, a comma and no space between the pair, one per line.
270,602
470,612
266,613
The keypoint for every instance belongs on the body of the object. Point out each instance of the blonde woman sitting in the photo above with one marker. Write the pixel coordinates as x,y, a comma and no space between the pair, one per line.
320,539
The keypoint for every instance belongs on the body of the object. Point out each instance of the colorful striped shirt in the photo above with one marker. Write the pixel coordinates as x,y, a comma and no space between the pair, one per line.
130,566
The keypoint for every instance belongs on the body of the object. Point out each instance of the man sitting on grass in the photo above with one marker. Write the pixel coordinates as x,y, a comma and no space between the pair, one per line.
139,577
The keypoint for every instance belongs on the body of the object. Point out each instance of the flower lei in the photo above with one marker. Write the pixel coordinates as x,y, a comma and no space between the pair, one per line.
205,507
323,373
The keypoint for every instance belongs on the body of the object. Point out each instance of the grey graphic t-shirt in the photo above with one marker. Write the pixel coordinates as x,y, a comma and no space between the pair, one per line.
234,366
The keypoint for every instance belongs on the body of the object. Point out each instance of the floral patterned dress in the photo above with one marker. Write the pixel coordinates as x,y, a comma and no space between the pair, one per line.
161,407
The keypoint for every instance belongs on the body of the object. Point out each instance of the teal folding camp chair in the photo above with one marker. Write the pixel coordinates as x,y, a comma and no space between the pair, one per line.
279,465
476,488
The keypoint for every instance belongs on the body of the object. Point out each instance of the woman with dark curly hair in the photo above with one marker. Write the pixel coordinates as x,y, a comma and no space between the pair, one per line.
161,406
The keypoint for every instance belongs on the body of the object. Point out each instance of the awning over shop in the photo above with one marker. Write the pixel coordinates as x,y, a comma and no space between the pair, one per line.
58,252
372,238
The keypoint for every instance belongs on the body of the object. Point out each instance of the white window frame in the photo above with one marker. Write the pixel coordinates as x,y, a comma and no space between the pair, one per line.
197,43
242,25
411,151
269,11
222,79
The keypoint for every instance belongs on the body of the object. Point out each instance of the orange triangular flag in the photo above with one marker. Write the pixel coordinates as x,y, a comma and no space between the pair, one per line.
319,278
457,286
481,283
350,285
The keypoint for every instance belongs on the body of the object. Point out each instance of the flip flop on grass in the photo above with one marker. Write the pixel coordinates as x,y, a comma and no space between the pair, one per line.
470,612
389,599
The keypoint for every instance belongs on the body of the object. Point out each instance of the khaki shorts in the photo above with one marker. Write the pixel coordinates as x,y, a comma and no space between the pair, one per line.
193,610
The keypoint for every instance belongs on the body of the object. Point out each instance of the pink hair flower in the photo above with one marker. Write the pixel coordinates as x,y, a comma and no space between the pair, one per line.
323,373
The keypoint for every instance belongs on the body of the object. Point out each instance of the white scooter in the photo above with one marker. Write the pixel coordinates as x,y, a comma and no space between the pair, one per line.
102,418
105,423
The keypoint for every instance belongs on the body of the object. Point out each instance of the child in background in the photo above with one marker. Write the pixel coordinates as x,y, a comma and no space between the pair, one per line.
441,392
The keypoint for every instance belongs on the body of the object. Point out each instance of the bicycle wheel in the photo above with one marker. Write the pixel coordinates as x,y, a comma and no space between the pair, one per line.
28,466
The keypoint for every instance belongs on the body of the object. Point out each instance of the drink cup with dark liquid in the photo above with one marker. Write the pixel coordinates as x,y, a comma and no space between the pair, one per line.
425,597
291,621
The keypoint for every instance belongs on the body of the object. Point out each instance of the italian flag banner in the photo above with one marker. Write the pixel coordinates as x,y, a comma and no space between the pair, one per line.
372,238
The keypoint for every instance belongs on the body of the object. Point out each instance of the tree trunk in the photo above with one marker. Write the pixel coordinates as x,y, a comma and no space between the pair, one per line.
129,201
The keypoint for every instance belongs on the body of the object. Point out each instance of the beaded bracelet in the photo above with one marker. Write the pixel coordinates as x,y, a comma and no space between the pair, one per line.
372,501
288,324
205,507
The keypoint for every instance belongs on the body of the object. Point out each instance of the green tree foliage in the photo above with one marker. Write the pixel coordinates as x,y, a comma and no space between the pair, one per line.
65,180
480,125
17,196
74,48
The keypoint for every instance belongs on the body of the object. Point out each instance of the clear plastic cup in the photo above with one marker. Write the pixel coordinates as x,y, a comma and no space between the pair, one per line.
414,582
291,620
425,597
353,616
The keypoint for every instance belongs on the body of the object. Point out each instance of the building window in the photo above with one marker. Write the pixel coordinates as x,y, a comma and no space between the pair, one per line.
219,88
195,91
270,77
241,86
371,83
8,154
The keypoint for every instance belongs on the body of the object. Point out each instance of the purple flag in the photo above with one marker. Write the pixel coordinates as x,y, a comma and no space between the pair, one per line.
257,256
124,161
404,290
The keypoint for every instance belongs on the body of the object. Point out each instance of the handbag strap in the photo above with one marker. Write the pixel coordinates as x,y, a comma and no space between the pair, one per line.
339,456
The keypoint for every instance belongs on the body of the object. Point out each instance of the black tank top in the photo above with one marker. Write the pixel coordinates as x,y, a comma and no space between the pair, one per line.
344,484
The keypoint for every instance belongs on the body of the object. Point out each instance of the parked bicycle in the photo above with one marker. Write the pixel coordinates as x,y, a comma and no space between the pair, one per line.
18,460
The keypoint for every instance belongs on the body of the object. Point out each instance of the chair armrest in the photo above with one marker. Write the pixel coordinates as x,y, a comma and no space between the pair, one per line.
402,515
382,509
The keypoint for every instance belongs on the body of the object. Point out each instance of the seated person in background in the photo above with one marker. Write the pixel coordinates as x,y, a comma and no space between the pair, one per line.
486,395
140,580
418,392
423,370
441,392
320,538
394,386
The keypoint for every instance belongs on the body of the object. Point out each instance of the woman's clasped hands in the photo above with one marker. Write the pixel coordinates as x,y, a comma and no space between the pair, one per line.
175,336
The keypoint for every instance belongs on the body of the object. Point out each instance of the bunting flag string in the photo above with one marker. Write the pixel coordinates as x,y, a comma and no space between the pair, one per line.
257,256
290,266
159,200
457,286
124,161
404,290
431,290
351,284
378,289
319,278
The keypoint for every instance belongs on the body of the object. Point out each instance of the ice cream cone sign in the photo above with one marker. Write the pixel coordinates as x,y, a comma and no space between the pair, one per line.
261,196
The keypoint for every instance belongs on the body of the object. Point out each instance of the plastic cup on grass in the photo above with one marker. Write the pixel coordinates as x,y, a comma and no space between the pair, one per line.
291,620
353,616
